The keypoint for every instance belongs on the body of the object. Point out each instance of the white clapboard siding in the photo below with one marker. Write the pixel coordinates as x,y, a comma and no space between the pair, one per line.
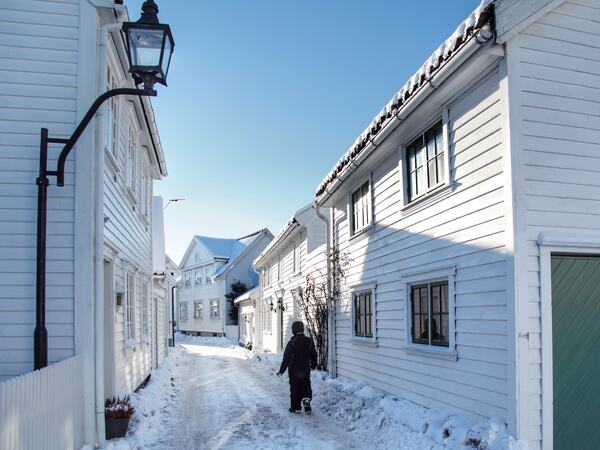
560,143
130,233
466,229
43,410
38,88
312,244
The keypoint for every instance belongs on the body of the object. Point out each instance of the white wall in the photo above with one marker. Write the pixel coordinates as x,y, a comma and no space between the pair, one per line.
463,226
311,238
556,69
129,233
38,88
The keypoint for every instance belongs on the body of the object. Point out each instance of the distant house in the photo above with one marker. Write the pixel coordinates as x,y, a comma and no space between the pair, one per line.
299,249
469,208
246,304
208,269
102,317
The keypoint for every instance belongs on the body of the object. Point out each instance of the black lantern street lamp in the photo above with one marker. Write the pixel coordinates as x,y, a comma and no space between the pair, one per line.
150,46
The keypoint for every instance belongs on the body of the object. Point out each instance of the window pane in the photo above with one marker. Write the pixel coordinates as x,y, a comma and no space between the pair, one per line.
435,299
424,302
444,298
432,177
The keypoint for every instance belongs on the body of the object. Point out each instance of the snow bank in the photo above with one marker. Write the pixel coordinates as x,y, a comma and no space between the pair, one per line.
388,422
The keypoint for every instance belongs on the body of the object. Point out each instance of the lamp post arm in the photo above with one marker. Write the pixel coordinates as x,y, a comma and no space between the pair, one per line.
70,143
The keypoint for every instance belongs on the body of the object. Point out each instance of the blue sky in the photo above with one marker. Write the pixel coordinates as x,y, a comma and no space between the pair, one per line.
265,96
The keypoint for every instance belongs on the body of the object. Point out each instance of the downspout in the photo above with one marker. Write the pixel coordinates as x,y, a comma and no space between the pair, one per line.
99,239
331,361
173,314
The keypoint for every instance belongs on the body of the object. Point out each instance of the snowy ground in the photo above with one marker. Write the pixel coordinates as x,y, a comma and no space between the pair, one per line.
212,394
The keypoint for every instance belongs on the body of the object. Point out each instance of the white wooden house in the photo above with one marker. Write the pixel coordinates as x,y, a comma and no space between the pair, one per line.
56,57
455,206
299,249
208,269
246,304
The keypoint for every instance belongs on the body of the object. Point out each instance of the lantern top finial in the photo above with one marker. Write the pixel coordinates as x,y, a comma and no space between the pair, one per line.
149,12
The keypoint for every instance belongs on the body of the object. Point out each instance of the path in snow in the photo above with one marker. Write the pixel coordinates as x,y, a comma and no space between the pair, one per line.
225,402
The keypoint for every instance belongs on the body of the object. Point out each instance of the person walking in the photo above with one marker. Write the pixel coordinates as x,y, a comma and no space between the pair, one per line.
299,358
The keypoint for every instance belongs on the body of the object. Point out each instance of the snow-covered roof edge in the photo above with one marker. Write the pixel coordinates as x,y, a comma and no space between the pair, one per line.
474,22
233,262
283,233
246,295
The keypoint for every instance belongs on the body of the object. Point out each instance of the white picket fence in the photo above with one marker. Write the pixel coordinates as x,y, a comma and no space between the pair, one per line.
43,409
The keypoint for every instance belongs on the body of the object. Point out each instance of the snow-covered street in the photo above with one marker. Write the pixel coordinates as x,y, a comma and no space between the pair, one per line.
212,394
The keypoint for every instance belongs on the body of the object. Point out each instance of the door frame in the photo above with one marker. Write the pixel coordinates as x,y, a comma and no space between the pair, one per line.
555,243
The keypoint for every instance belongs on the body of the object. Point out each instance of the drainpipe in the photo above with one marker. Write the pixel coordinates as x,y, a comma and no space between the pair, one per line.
173,314
99,239
330,300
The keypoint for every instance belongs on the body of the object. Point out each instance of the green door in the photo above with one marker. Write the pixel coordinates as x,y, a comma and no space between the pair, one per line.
576,349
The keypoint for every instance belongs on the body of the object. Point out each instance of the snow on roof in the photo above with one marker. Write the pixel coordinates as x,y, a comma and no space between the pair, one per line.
292,223
476,20
236,248
221,247
246,295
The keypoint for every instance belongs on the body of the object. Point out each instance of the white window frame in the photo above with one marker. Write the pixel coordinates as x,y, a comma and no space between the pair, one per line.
268,275
113,112
187,279
146,186
198,278
296,257
267,316
145,319
129,310
351,225
209,274
279,267
404,169
198,315
431,275
183,311
357,289
212,302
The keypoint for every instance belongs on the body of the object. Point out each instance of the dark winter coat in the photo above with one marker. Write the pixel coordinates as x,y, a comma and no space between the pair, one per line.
299,357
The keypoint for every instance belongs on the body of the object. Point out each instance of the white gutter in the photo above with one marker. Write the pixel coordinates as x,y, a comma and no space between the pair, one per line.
331,360
99,237
448,67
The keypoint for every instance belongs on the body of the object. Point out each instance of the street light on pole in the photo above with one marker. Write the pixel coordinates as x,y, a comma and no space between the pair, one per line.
150,46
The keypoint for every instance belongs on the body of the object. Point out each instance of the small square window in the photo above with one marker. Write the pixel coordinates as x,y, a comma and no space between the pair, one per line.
361,207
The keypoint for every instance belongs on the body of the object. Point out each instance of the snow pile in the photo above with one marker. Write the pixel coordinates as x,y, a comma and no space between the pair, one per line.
389,422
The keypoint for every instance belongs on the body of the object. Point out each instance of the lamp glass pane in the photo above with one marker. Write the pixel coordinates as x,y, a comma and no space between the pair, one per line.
146,46
167,56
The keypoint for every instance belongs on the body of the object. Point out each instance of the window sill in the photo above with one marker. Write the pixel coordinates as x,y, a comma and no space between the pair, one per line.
431,352
112,161
426,199
367,342
362,231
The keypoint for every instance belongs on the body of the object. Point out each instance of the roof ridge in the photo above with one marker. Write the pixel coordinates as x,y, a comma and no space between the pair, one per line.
252,234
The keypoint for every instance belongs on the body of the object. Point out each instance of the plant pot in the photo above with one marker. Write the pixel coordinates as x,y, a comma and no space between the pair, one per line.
116,428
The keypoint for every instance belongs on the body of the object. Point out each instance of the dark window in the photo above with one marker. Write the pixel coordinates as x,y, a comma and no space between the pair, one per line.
361,207
429,307
425,161
363,314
